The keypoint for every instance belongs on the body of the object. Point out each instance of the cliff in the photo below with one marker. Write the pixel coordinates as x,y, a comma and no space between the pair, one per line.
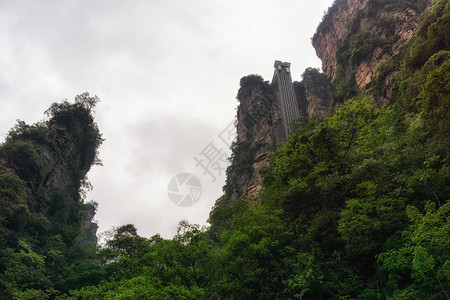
45,165
314,94
355,35
332,29
259,129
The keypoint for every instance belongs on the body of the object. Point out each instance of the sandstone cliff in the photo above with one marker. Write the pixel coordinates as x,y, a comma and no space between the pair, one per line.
355,35
50,161
259,130
314,94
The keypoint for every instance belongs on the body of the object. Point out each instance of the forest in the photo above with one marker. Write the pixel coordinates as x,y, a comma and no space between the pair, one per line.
355,205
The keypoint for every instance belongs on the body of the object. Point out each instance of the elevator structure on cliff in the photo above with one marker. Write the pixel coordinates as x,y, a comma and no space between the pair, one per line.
286,95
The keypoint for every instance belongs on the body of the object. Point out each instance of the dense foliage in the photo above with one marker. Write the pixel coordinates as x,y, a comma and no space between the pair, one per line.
41,238
355,206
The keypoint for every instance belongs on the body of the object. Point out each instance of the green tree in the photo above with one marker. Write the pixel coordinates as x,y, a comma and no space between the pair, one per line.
420,266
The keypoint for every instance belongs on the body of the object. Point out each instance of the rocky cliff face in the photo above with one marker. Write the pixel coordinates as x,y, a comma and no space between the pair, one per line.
51,159
332,29
314,94
259,130
356,34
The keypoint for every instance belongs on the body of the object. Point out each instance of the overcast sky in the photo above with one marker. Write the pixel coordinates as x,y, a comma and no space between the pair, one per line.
167,73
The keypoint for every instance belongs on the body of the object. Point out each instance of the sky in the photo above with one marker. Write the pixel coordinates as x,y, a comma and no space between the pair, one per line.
167,73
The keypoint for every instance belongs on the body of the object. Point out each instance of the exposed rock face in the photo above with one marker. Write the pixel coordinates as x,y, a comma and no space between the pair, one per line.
67,157
53,165
333,28
381,30
314,94
405,25
259,130
89,227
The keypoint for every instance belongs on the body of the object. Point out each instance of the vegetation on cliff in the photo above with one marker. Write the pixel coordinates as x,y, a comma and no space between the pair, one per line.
42,175
375,29
355,206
